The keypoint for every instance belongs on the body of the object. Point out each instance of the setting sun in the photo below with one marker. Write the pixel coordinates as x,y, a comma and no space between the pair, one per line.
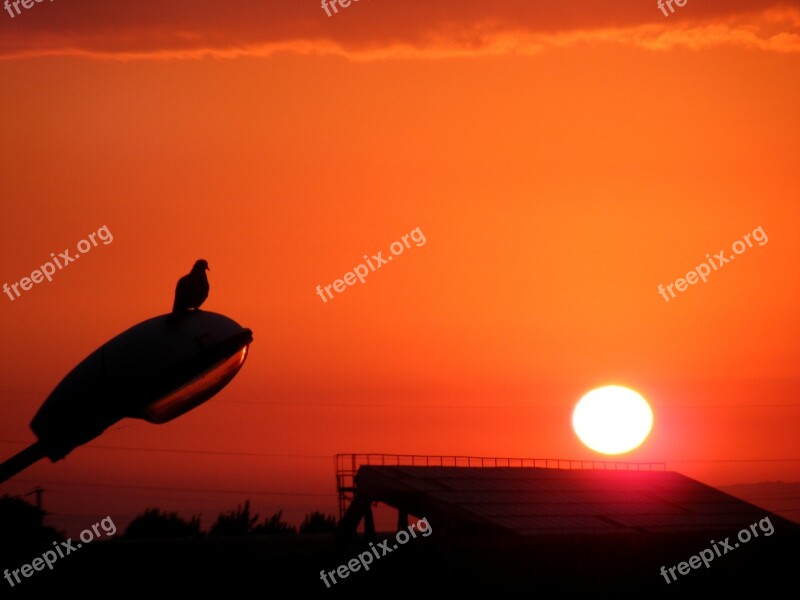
612,419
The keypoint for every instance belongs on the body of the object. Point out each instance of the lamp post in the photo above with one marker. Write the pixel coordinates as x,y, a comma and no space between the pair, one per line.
156,371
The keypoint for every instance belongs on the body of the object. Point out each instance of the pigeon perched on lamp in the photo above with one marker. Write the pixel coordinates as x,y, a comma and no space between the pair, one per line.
192,289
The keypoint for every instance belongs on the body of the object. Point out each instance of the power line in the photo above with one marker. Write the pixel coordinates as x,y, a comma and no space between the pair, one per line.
184,451
176,489
212,452
329,457
443,406
531,406
770,497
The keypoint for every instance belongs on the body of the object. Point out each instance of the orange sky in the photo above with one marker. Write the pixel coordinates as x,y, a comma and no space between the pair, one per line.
561,163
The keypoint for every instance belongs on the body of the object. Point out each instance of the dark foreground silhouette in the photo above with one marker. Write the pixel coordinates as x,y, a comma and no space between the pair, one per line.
558,567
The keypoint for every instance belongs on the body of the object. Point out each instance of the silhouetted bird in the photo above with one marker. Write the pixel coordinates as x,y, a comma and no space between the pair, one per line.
192,289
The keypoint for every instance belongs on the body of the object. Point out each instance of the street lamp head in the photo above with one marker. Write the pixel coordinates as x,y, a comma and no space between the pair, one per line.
156,371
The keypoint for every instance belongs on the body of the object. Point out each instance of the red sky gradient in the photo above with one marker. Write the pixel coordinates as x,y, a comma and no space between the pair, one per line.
561,160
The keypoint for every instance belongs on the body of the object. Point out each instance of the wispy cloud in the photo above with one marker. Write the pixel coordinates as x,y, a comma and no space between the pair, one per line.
381,29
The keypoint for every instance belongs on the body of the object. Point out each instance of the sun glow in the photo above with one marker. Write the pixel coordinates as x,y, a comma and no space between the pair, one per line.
612,419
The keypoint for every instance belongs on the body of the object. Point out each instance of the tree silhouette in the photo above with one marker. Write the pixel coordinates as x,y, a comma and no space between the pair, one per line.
317,522
21,522
273,525
235,522
154,524
240,522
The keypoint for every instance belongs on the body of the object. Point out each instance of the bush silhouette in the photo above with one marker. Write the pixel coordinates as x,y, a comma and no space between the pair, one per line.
22,522
317,522
273,525
240,522
154,524
236,522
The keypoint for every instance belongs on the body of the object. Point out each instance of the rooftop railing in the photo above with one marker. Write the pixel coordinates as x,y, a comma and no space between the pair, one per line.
347,466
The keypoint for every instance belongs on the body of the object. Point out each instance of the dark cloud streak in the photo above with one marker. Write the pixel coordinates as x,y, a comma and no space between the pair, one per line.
182,26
